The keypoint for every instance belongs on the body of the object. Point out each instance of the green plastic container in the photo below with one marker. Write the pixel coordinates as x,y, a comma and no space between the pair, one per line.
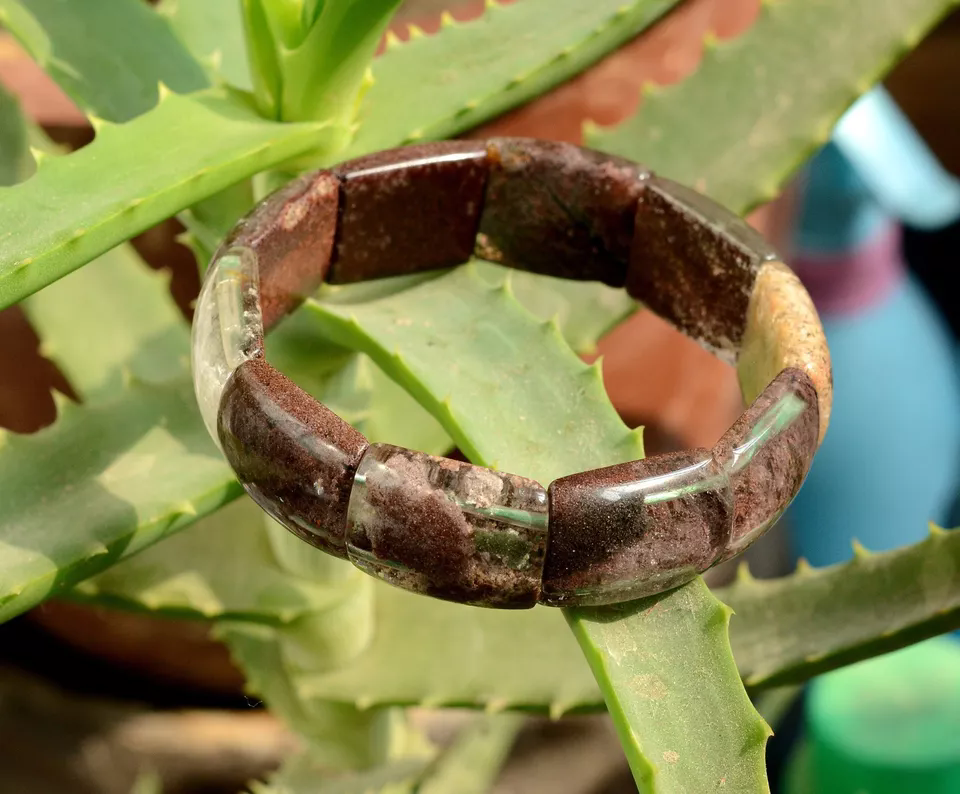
890,725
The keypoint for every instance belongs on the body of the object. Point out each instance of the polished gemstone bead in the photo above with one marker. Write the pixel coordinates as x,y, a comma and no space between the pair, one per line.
635,529
694,263
408,210
292,235
767,454
557,209
446,528
294,456
227,329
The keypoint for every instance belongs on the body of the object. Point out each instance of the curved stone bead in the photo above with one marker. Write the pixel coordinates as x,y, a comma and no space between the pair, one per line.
448,529
294,456
292,236
694,263
227,327
767,454
559,209
635,529
408,210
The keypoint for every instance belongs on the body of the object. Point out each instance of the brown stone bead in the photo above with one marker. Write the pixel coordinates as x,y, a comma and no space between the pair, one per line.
694,263
408,210
292,235
558,209
635,529
447,528
767,454
294,456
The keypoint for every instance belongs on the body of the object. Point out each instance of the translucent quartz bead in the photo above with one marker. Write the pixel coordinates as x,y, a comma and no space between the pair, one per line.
767,454
448,529
635,529
227,328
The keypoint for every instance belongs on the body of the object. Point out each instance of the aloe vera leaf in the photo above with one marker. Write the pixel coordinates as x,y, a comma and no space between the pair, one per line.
323,74
108,55
187,148
585,311
471,764
436,86
102,483
212,31
760,104
484,395
498,358
790,629
664,684
15,160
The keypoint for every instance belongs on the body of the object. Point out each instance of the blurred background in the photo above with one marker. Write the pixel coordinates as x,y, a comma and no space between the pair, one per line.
87,695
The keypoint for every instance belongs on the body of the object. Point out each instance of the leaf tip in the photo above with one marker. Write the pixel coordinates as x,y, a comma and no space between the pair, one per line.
447,20
163,92
496,705
743,573
39,156
97,123
391,41
415,32
860,552
804,568
936,531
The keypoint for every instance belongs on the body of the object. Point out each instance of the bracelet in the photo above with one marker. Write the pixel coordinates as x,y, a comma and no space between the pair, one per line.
467,533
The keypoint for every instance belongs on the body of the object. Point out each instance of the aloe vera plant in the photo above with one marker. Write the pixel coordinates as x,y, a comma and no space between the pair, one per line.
199,106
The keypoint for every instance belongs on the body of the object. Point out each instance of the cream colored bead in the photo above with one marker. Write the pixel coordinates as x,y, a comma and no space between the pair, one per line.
783,330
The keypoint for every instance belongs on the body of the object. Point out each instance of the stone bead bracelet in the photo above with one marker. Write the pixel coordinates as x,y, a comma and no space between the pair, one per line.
466,533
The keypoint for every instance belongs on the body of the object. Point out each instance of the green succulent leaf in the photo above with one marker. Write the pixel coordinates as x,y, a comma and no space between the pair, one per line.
468,766
323,69
108,55
771,96
440,85
522,401
15,160
207,141
212,31
510,394
102,483
790,629
654,658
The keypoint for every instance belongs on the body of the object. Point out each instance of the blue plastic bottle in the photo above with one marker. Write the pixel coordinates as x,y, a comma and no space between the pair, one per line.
890,462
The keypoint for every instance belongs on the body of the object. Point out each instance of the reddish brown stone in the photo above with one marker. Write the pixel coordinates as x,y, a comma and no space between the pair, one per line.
767,454
632,529
408,210
694,263
447,528
294,456
292,235
558,209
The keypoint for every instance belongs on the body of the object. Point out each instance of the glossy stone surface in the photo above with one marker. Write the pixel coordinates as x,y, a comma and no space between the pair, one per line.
448,529
635,529
295,457
694,263
408,210
558,209
227,329
292,233
767,454
784,331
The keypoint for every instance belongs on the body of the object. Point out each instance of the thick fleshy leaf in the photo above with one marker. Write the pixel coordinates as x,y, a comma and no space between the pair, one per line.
439,85
758,105
187,148
108,55
666,661
790,629
552,417
510,392
213,32
15,160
